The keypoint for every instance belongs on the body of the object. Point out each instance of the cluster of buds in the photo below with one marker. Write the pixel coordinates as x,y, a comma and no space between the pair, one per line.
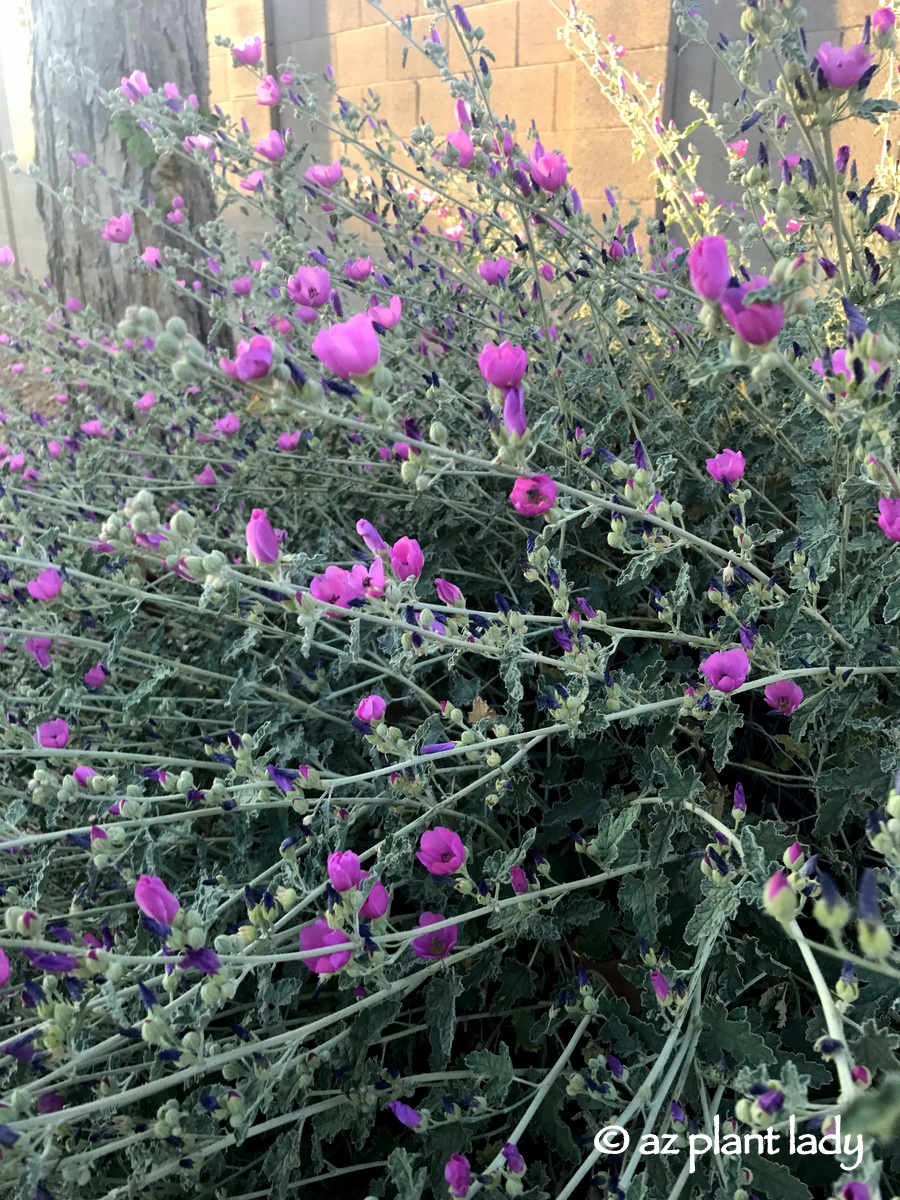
188,357
719,861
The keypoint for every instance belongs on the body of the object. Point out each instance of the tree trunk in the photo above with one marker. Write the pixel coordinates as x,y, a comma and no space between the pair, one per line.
167,40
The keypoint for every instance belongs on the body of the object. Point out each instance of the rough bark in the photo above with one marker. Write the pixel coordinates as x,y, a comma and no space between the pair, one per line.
167,40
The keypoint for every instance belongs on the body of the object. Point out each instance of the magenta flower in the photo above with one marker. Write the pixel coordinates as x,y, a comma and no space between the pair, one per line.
405,1115
502,366
889,520
371,709
882,21
248,52
709,267
358,269
548,170
433,945
261,540
268,92
53,735
82,774
344,870
784,695
271,146
323,175
386,316
462,144
534,495
515,1163
855,1190
5,972
253,360
152,257
118,229
319,936
458,1174
242,286
726,669
155,900
441,851
493,270
514,411
96,676
310,286
40,648
207,477
779,898
7,257
228,424
519,880
349,349
660,986
370,535
726,466
47,586
407,558
377,902
756,324
843,69
448,593
134,86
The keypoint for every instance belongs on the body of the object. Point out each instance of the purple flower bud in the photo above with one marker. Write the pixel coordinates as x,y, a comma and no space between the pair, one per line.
405,1115
515,1163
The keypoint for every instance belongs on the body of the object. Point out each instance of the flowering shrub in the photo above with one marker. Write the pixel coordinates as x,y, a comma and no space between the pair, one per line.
465,718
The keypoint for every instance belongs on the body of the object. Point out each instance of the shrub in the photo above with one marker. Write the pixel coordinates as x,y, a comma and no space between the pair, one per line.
452,725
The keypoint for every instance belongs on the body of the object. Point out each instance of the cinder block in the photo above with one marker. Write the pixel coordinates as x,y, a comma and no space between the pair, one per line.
604,158
362,57
526,93
371,14
333,16
417,66
436,105
537,37
499,19
639,24
692,72
291,20
219,76
237,20
312,55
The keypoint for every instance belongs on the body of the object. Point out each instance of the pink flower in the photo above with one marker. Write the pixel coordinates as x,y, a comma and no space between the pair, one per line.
441,851
155,900
40,648
207,477
843,69
47,586
248,52
254,182
271,146
134,86
793,226
756,324
709,267
7,258
268,92
228,424
323,175
358,269
502,366
349,349
405,1115
462,144
96,676
433,945
458,1174
889,520
344,870
261,540
882,22
548,171
493,270
785,696
254,359
53,735
371,709
388,317
146,401
310,286
118,229
377,902
779,898
660,986
448,593
726,669
519,880
514,412
738,148
82,774
370,535
698,195
407,558
728,465
319,936
152,257
534,495
4,975
288,441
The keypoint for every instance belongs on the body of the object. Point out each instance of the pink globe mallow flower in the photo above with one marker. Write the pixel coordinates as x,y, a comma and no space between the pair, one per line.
320,936
323,175
7,258
289,441
96,676
261,540
756,324
514,412
371,709
253,359
728,466
448,593
377,902
407,558
726,669
358,269
533,495
344,871
843,69
784,695
709,267
47,586
882,22
492,271
207,477
458,1174
271,146
134,86
548,170
268,93
248,52
889,518
82,774
53,735
118,229
462,144
349,349
441,851
309,287
155,900
503,366
434,945
387,316
370,535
